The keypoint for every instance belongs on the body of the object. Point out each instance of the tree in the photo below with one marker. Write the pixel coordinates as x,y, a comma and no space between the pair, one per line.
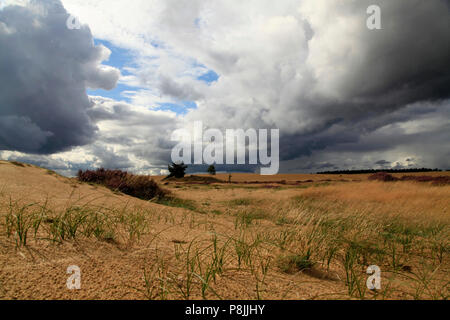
212,170
177,170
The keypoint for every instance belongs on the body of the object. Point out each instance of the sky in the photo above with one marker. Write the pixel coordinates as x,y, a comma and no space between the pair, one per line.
111,93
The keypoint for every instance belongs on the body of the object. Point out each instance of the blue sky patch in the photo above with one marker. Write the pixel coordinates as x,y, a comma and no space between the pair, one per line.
119,58
122,58
181,107
209,77
115,93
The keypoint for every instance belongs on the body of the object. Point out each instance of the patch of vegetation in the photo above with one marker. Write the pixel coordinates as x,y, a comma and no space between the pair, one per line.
212,170
294,263
177,203
37,221
20,220
383,176
195,179
51,172
177,170
179,241
18,164
68,224
141,187
246,218
322,184
240,202
374,171
283,221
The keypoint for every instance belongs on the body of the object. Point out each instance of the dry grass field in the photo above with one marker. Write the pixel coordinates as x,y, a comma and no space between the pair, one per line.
281,237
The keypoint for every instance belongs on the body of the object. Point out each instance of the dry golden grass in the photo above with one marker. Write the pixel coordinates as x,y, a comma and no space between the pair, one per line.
308,240
249,177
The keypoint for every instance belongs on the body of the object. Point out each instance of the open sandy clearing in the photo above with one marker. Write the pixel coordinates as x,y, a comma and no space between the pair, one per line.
313,240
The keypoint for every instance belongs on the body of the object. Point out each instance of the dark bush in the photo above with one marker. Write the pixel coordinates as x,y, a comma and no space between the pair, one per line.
177,170
137,186
382,176
212,170
19,164
440,180
371,171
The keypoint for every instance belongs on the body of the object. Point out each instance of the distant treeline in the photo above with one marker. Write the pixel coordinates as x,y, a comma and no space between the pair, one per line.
380,170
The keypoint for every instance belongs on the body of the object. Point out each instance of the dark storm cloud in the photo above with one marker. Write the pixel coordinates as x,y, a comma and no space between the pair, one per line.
44,71
64,167
408,59
383,163
395,74
352,81
343,96
110,159
137,131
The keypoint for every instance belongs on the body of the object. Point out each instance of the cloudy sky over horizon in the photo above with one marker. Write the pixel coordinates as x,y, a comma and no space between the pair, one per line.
111,93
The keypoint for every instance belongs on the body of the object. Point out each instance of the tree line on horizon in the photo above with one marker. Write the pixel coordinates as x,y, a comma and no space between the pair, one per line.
366,171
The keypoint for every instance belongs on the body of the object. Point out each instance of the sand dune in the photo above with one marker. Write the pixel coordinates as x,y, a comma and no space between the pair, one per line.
233,241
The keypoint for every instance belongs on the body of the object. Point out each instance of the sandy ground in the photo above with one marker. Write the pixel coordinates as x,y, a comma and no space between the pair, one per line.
299,178
139,267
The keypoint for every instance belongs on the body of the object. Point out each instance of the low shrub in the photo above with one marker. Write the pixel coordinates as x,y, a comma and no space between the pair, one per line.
294,263
382,176
18,164
141,187
443,180
440,180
